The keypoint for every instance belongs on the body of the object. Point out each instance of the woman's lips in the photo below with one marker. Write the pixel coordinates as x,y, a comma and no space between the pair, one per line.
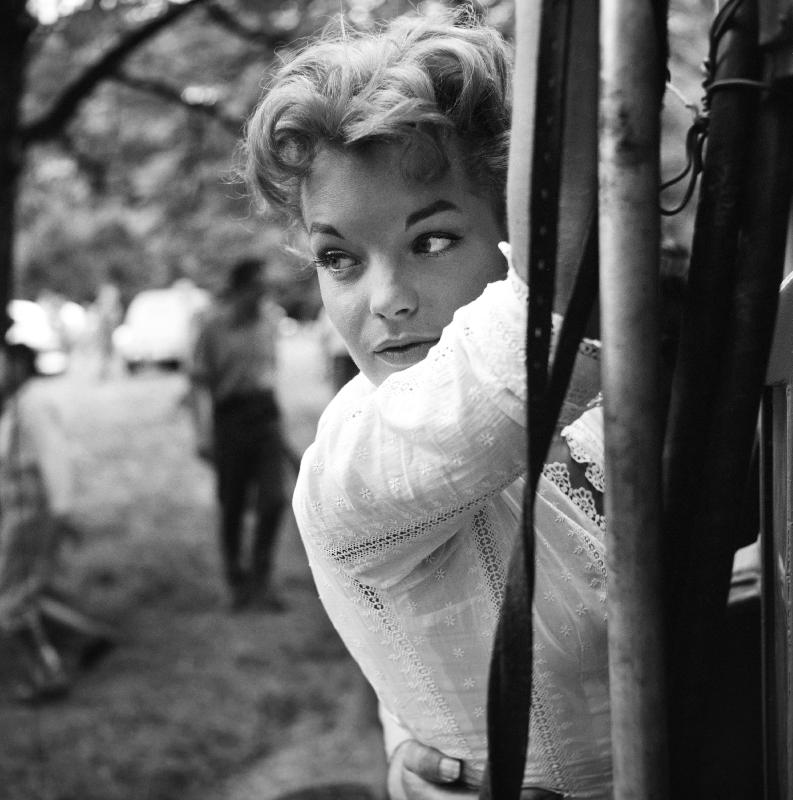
405,355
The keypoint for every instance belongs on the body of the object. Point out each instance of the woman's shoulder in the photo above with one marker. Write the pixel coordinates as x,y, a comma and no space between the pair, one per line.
347,399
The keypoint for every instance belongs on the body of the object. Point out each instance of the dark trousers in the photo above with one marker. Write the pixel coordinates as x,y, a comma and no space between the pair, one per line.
249,459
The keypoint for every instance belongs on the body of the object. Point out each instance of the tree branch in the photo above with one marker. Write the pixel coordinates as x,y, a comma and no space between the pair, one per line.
221,16
94,168
174,94
49,124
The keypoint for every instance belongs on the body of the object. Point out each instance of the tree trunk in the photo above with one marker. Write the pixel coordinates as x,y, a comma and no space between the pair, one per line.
16,25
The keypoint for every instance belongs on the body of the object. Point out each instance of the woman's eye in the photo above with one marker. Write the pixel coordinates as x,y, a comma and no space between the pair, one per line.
335,261
434,243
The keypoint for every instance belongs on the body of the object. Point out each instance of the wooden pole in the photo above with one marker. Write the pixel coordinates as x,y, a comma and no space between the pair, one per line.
629,252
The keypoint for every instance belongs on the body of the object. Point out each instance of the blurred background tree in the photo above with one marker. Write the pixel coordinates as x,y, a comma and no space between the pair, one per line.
121,120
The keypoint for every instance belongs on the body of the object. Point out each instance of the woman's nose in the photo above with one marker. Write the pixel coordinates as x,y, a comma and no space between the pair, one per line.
391,292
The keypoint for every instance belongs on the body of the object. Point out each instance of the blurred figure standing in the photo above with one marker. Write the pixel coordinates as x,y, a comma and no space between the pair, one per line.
36,498
233,372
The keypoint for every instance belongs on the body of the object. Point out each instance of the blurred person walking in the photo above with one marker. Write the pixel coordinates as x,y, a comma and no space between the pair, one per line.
233,374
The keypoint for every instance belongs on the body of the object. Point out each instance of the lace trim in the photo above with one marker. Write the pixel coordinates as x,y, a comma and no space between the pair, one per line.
582,498
548,725
419,675
541,723
359,552
490,558
596,555
594,472
596,475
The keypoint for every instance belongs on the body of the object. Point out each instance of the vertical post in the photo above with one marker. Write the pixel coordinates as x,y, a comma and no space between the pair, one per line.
629,252
16,25
776,40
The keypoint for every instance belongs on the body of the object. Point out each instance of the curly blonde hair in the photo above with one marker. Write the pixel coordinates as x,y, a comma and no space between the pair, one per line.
425,83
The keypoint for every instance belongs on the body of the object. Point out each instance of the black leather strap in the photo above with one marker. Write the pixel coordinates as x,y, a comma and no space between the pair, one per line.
579,309
510,685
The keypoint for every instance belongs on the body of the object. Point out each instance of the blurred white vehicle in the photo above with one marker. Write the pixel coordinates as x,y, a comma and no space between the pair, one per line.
33,326
158,327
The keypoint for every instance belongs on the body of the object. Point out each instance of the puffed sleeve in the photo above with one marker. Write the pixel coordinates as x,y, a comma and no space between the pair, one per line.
394,469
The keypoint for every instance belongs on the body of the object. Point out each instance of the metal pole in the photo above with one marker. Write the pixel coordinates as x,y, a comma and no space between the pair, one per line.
629,253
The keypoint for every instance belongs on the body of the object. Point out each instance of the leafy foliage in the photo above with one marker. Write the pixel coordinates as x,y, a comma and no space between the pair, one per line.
139,186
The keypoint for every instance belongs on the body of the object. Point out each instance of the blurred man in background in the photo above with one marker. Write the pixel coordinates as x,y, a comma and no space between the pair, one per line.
233,372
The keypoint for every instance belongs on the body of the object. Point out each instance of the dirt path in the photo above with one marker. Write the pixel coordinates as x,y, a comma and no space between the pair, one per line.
195,702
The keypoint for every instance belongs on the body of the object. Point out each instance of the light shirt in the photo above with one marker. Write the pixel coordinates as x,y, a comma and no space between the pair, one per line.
409,502
232,360
33,440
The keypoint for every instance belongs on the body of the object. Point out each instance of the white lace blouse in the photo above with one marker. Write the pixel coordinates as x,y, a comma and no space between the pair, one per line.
408,503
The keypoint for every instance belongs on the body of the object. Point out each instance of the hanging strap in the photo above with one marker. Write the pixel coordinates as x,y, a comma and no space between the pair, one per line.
510,687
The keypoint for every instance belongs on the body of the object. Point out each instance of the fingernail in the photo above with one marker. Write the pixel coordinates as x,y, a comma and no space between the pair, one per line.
449,769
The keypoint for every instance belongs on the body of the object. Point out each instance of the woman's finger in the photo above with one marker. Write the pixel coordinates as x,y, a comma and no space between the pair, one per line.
430,764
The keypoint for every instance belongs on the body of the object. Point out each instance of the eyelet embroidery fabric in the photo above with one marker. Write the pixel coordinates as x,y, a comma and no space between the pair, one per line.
559,475
408,528
585,444
398,534
418,675
490,558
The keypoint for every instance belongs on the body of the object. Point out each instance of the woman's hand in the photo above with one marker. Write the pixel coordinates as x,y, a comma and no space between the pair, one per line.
419,772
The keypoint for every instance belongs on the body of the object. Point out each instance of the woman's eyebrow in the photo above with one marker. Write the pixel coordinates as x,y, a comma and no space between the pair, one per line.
428,211
321,227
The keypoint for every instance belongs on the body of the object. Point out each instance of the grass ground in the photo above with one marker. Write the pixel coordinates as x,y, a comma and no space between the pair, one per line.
194,702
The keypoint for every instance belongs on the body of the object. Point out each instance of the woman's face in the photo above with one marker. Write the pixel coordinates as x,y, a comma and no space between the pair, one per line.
395,259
